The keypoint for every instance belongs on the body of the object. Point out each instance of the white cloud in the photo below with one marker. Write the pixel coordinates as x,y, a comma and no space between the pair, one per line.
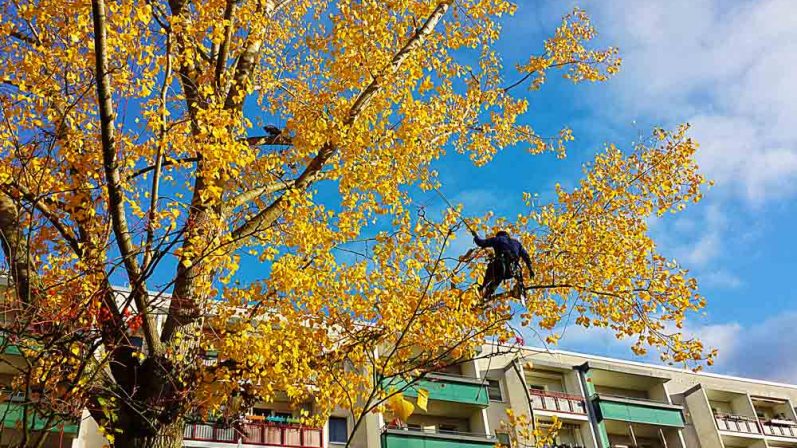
720,278
727,68
479,200
698,240
762,350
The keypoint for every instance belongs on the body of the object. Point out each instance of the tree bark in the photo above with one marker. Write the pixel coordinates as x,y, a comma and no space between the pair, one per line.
168,435
12,243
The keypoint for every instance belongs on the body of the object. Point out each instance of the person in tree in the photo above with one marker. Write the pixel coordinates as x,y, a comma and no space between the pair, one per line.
505,263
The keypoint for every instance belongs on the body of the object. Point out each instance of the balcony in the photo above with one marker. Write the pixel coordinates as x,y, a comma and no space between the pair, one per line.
558,402
780,428
445,387
264,434
737,423
13,416
637,410
393,437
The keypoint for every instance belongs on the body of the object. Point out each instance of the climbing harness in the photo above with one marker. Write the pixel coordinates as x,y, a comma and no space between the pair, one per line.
507,265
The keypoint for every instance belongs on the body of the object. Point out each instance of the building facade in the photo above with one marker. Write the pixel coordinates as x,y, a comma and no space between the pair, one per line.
600,402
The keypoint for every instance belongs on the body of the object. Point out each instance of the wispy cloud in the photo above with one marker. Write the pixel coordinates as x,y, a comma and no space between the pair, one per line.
726,67
762,350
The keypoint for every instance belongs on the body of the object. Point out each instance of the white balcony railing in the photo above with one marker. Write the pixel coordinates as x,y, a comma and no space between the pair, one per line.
737,423
557,402
780,428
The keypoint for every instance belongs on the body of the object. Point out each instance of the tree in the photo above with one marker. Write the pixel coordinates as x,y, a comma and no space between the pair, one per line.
162,145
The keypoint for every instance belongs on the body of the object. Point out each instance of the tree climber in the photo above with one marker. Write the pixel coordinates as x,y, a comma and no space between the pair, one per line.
505,263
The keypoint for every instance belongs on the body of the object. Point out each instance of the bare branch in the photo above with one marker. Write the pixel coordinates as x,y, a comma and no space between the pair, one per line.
155,193
42,206
164,163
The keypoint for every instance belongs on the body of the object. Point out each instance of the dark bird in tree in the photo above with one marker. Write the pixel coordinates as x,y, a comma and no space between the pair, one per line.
272,130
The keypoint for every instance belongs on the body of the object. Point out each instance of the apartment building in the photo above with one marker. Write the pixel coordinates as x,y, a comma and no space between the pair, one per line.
600,402
605,403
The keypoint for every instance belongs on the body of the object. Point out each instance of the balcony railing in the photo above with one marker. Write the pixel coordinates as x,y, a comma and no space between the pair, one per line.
404,437
737,423
780,428
557,402
268,434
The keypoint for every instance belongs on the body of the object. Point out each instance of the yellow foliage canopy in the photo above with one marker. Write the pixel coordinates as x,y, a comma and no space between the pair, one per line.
164,145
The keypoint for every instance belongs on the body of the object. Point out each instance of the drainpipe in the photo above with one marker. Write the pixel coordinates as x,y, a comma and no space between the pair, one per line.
587,390
519,371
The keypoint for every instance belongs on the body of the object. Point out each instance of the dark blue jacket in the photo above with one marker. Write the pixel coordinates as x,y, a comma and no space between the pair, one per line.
506,245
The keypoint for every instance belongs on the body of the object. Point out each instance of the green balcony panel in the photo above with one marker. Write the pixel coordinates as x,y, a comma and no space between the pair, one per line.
12,418
450,388
400,438
638,411
8,349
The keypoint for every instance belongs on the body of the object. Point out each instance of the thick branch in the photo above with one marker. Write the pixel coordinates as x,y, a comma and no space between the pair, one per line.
243,71
270,213
250,195
24,38
113,181
224,50
14,248
246,60
253,194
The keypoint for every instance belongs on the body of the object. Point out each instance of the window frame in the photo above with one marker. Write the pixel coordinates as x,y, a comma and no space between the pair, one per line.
345,422
500,389
499,435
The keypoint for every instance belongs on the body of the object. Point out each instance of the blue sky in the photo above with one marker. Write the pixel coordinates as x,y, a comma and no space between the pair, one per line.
728,69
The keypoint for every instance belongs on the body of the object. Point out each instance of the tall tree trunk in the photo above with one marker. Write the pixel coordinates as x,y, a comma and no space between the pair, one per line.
168,435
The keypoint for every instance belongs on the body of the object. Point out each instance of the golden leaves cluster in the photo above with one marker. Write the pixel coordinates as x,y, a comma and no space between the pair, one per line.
595,254
343,268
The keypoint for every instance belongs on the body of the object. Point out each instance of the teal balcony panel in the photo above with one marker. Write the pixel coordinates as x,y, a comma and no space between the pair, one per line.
455,389
407,438
638,411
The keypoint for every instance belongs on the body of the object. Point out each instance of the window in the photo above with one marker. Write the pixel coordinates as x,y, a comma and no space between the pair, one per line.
494,390
503,439
447,428
338,430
